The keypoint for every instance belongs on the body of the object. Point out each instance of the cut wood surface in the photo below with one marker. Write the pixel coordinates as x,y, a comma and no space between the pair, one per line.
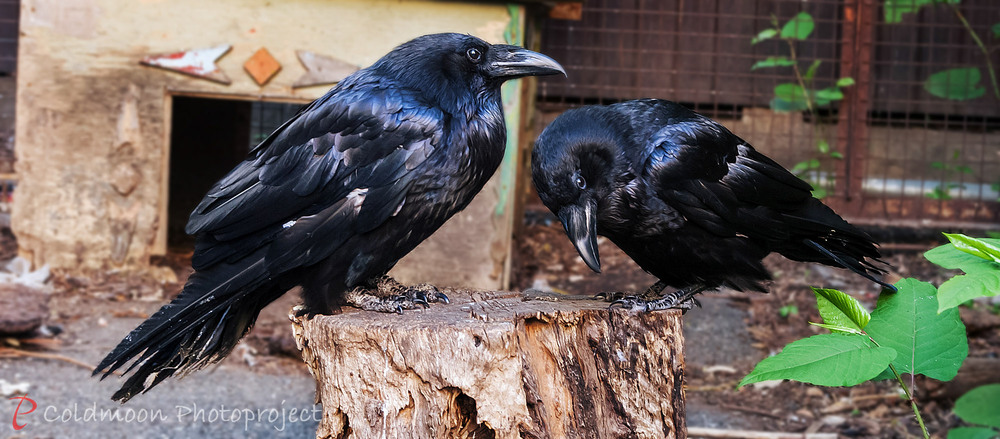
492,364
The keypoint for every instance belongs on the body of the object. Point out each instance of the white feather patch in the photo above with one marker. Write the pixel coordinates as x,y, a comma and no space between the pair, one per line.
357,197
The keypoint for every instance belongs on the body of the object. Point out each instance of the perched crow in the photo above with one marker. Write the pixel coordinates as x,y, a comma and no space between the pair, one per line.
333,198
689,201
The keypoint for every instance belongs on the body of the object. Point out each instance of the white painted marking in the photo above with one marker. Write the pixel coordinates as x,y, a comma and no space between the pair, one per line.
199,62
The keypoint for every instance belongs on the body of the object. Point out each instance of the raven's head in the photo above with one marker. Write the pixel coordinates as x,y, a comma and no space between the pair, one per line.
576,164
453,68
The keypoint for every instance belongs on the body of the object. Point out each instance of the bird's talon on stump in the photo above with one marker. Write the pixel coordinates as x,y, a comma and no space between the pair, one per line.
441,297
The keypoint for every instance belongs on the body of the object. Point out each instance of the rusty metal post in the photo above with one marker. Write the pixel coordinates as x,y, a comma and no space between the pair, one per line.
852,123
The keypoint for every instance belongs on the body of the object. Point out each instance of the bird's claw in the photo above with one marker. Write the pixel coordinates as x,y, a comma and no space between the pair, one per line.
409,302
388,296
441,297
631,303
424,294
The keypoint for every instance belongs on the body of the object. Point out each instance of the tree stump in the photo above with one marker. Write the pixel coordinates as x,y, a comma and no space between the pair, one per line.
494,365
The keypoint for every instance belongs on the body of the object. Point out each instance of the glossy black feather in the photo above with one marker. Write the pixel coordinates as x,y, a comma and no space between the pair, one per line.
334,197
689,201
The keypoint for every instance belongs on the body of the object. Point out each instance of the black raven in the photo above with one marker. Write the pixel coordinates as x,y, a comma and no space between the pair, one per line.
333,198
687,200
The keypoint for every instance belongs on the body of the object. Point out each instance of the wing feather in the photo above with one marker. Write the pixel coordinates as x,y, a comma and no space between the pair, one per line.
305,171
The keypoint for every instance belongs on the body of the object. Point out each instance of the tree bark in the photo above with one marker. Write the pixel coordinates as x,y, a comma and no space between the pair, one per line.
494,365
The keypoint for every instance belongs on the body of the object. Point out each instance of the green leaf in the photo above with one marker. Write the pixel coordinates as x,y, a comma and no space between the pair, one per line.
837,328
811,72
765,34
836,155
829,94
980,406
799,27
965,287
977,247
788,309
950,257
825,360
894,9
819,193
973,433
823,146
938,193
841,309
785,106
807,165
845,82
982,278
926,342
959,84
773,61
790,92
996,30
885,375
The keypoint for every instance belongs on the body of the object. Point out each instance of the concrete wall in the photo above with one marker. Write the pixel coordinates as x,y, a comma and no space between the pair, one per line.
93,125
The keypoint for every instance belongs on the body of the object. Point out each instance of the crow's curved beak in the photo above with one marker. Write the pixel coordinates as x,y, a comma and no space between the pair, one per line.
509,62
580,223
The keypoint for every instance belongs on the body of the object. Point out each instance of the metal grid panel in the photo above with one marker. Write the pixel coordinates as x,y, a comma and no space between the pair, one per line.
10,11
266,117
931,157
897,140
9,16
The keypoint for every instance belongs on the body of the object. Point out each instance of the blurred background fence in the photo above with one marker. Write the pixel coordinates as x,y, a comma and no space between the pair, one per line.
890,108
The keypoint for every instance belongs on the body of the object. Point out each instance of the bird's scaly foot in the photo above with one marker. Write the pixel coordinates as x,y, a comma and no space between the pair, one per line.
651,293
638,304
680,299
384,294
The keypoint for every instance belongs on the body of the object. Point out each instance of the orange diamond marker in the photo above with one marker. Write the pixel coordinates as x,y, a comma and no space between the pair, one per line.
262,66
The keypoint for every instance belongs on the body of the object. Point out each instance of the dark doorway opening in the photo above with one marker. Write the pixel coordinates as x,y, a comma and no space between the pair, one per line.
208,137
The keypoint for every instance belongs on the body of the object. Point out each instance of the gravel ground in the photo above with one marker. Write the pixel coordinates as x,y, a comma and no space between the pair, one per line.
271,399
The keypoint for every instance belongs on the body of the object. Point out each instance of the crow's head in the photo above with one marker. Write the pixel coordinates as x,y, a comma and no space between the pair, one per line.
576,164
453,69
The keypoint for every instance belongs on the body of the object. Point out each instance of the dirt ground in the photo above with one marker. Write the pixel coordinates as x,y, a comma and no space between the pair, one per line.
724,339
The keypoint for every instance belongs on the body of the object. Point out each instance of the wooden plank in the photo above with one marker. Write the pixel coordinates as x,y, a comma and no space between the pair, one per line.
262,66
321,69
199,63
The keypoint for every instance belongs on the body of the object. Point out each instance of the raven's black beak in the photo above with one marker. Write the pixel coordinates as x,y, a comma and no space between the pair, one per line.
581,226
509,62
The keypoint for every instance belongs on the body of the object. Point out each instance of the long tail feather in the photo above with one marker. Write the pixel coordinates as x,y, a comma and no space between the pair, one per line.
850,262
201,326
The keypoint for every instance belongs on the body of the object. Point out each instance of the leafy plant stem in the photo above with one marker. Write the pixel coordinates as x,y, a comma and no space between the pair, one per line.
982,48
798,77
906,391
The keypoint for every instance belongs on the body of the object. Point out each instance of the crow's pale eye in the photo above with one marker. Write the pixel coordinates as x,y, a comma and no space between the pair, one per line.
474,54
580,182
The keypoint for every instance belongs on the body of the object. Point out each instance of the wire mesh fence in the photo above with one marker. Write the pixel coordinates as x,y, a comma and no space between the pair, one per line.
889,108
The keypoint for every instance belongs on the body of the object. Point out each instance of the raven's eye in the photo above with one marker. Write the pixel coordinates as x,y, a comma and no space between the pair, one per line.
580,182
474,54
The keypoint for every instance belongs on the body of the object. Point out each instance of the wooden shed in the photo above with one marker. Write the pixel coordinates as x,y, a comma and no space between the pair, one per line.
127,111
